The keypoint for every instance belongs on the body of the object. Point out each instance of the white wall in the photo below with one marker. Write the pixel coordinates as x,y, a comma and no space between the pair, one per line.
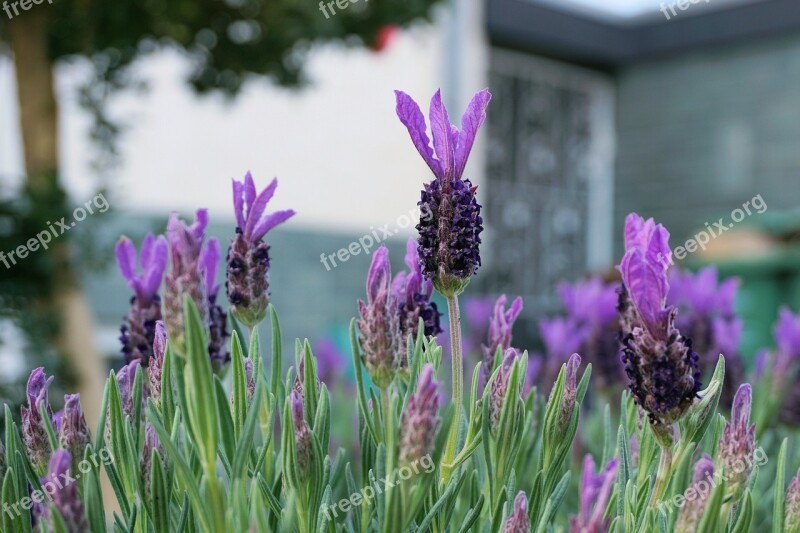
343,160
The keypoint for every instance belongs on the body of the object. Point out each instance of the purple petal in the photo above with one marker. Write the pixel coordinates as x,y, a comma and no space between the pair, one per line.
412,255
257,209
60,462
238,203
209,260
249,192
442,137
154,267
269,222
742,403
471,121
644,286
380,273
411,116
126,261
198,229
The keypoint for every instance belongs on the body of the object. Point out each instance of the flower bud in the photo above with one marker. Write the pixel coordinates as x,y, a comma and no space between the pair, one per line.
499,391
420,420
74,433
595,493
501,323
702,484
34,433
302,437
738,443
65,500
792,505
518,521
155,370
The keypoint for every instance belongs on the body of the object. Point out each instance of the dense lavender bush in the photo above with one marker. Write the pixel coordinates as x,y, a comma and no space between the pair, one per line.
206,431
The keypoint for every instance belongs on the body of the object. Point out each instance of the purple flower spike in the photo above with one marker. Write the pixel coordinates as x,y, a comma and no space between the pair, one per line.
154,371
136,333
738,443
379,324
33,429
518,521
412,292
570,391
501,322
302,436
125,380
186,276
420,419
792,505
662,369
248,255
702,482
217,318
450,224
74,433
66,501
595,493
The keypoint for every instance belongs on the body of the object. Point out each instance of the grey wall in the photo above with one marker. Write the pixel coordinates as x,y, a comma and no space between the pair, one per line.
701,133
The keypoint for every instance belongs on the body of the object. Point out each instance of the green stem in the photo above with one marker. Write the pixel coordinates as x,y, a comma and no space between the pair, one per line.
662,476
458,386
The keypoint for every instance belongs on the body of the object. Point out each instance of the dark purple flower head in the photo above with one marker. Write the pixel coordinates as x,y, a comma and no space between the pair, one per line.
217,317
302,435
420,419
248,255
518,521
792,505
186,276
450,224
74,433
136,333
34,433
595,493
692,511
501,322
412,292
154,371
738,443
379,323
662,369
66,501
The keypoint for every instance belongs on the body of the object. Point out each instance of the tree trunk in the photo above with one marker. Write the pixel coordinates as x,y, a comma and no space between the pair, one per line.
28,35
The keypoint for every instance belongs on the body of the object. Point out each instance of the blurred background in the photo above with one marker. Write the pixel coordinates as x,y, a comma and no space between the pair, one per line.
682,111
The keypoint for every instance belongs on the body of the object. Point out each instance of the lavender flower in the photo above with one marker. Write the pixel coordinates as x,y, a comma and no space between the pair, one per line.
248,255
74,433
570,392
738,443
154,371
65,500
34,433
500,388
152,448
705,307
592,306
330,361
217,318
302,436
379,324
518,521
420,420
450,225
185,277
139,327
792,505
595,493
787,337
662,369
412,292
125,380
692,511
501,323
561,337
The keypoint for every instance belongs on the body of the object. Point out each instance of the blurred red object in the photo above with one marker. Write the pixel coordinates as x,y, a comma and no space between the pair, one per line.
385,36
